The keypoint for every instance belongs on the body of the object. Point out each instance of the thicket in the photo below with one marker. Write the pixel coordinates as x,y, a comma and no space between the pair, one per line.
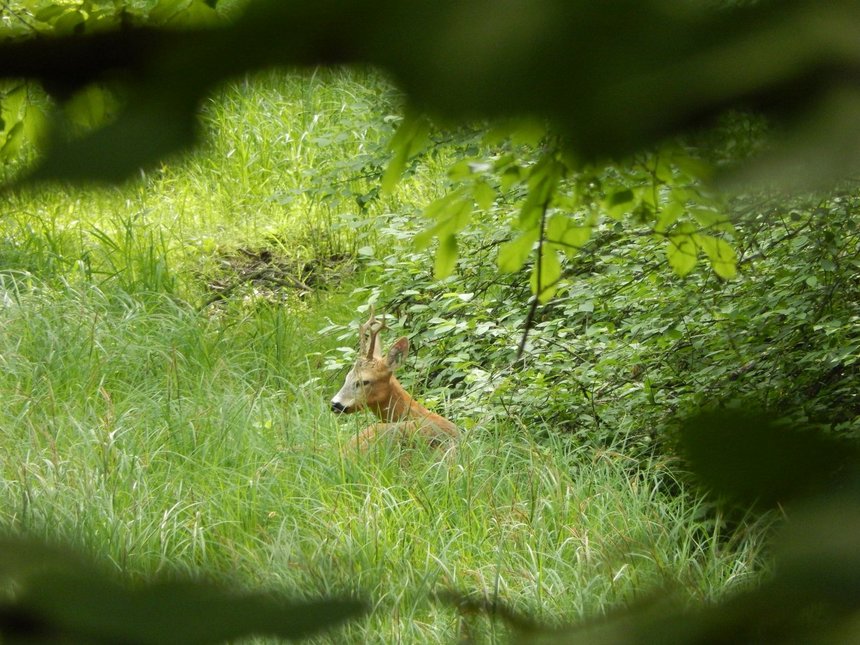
625,345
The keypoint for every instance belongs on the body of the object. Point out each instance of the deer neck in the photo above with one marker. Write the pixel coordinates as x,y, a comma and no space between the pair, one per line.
401,406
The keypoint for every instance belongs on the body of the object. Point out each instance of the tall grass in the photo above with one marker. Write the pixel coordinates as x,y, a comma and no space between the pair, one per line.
166,440
271,153
167,437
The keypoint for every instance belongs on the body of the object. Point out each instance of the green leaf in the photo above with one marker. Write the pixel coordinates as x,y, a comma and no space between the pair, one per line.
565,235
669,214
556,226
513,254
139,138
511,176
452,213
530,213
682,253
721,254
165,11
438,207
528,132
575,238
544,177
754,457
542,181
484,195
619,202
410,139
50,13
460,170
70,22
645,196
185,13
446,257
87,109
200,14
548,271
13,101
663,169
710,219
35,124
14,139
692,167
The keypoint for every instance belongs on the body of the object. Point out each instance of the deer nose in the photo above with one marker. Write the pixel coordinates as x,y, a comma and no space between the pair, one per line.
337,406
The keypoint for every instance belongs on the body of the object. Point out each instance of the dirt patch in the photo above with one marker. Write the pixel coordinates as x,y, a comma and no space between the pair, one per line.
268,273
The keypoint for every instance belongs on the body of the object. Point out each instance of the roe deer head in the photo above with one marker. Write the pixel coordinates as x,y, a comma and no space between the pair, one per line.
371,384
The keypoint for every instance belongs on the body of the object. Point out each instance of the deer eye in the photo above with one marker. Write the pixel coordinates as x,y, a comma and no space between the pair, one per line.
362,384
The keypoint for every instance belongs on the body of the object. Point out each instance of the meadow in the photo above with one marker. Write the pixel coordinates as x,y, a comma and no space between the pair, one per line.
167,350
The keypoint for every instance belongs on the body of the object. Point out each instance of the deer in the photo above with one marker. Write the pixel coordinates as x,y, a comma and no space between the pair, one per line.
371,385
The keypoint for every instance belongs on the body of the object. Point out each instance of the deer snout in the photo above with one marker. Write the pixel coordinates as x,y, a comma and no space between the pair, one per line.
337,406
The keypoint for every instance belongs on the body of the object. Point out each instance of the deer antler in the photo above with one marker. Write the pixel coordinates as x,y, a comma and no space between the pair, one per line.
368,347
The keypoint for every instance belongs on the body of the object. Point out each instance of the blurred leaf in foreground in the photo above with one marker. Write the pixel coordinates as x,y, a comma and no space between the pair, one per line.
752,457
60,596
611,77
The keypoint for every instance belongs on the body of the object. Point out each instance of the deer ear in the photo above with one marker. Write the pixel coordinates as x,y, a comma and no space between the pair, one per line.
397,353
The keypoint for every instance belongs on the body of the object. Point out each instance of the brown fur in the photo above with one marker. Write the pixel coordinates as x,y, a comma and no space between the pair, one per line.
371,385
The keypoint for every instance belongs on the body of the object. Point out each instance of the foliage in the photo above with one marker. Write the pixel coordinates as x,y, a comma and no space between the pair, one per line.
691,223
558,205
26,111
245,215
624,347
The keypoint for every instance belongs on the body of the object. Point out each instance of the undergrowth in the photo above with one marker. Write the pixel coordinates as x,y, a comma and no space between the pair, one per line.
166,389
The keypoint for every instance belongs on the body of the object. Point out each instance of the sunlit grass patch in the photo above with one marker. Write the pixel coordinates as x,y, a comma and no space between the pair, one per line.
286,164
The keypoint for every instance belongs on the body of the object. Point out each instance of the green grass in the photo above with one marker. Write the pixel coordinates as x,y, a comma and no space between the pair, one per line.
165,440
166,437
269,150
